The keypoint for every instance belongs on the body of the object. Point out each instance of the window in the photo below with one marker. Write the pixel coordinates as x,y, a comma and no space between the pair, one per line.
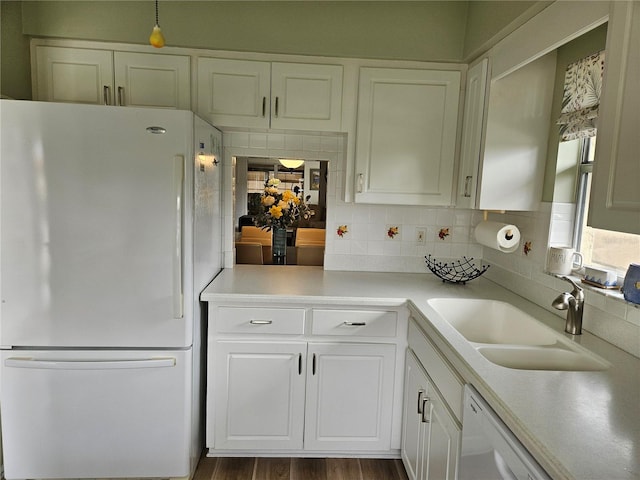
605,248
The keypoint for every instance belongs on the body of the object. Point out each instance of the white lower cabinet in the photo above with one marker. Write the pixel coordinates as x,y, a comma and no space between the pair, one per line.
259,394
431,434
349,396
431,437
272,387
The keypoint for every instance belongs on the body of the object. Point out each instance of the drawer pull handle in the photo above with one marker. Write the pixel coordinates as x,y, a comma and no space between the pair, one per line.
355,324
261,322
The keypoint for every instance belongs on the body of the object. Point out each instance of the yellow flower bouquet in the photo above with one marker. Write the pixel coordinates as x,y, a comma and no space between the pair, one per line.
280,209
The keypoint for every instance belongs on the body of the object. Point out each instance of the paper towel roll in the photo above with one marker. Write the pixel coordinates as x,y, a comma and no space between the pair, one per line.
500,236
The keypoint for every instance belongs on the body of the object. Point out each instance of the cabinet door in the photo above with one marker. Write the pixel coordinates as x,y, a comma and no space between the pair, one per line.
152,80
234,93
472,134
615,195
306,97
406,136
515,148
258,393
74,75
349,396
414,426
443,441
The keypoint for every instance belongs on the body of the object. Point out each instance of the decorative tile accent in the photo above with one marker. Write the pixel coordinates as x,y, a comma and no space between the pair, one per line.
342,230
392,231
527,248
444,233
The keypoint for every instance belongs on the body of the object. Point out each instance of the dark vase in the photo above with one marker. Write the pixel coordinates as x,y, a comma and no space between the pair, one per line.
279,245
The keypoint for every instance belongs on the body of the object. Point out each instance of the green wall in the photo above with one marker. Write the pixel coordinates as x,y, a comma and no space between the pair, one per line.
561,173
485,19
432,30
15,67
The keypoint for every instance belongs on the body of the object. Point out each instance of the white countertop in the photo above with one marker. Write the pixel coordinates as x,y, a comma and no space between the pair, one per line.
578,425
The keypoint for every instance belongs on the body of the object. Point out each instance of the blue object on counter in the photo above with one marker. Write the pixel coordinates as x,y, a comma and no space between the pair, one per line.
631,285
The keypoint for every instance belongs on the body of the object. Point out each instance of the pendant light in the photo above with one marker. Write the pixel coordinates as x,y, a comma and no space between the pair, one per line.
290,163
157,38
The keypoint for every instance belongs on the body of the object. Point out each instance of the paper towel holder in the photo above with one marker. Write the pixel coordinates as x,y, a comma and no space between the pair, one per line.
485,213
485,216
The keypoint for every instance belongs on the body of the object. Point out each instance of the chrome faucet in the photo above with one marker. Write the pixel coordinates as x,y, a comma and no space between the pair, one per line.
573,302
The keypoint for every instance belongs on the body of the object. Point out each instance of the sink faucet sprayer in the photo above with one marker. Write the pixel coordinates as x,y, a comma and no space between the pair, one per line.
574,304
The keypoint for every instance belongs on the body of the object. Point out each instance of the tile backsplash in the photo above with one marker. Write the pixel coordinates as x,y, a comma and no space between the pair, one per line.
388,238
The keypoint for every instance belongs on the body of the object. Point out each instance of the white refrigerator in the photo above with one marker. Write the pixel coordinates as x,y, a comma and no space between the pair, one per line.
110,228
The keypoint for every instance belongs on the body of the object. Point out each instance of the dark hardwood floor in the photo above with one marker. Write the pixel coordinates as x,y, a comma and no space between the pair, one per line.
225,468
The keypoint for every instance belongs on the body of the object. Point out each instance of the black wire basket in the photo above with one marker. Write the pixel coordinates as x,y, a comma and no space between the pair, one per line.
457,271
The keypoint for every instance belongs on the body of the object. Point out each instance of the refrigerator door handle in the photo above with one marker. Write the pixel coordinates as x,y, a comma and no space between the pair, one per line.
178,298
26,362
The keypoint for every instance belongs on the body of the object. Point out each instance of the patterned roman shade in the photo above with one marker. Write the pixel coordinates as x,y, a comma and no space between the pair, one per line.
582,88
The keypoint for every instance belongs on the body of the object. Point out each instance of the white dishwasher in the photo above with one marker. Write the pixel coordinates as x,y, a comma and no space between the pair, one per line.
489,450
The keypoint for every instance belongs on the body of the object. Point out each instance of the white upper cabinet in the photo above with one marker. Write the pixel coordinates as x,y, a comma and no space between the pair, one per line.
234,93
152,80
472,130
73,75
306,96
406,136
615,194
511,173
105,77
255,94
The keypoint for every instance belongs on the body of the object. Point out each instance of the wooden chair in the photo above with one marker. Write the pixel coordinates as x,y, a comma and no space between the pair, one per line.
249,253
251,234
255,235
310,236
310,255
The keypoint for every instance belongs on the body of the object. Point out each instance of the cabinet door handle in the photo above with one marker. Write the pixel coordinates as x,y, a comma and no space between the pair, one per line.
299,364
421,392
106,94
425,417
264,106
467,184
360,183
261,322
355,324
121,96
313,365
277,107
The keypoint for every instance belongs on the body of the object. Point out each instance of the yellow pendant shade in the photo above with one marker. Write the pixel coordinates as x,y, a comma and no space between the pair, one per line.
290,163
157,38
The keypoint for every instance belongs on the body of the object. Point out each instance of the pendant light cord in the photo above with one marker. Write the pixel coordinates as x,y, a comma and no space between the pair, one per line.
157,12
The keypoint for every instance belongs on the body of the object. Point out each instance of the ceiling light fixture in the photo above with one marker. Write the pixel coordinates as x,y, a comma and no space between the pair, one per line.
290,163
157,38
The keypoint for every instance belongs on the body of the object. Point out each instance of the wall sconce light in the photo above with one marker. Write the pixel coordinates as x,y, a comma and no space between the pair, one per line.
157,38
290,162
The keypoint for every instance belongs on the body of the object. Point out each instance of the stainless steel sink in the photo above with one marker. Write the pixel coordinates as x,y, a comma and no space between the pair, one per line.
507,336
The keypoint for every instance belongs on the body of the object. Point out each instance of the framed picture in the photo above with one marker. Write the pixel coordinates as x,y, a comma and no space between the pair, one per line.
315,178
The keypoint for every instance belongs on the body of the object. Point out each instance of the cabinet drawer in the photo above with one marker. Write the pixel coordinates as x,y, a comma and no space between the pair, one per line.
365,323
447,381
259,320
